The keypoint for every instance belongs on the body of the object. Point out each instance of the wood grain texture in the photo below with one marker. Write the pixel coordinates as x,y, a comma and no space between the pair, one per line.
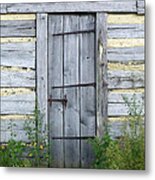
87,155
57,153
18,54
118,97
102,6
116,128
72,157
17,28
141,6
55,67
101,72
15,125
117,31
17,79
71,76
120,109
125,79
3,8
18,104
125,54
41,64
87,94
87,75
20,136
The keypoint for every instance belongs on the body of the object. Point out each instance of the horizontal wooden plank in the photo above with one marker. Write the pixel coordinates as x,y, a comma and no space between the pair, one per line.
16,91
126,67
16,39
117,31
17,28
116,128
3,8
118,97
16,125
20,136
125,42
17,79
19,97
18,103
13,46
126,54
17,107
107,6
125,19
18,54
121,109
141,6
89,26
13,17
125,79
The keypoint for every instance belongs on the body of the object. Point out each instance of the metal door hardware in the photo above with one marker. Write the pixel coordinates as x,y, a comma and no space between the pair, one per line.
63,101
75,85
75,32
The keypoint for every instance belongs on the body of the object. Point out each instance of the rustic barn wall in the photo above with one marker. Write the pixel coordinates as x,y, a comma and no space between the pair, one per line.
17,74
125,54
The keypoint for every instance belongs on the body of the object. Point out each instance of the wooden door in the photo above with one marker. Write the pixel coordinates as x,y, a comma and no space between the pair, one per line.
71,88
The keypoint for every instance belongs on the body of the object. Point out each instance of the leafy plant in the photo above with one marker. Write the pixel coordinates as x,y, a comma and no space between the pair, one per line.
128,151
22,154
38,147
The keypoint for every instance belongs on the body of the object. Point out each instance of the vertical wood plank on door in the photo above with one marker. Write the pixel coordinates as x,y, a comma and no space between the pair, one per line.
56,79
71,115
87,155
101,75
87,94
87,75
42,69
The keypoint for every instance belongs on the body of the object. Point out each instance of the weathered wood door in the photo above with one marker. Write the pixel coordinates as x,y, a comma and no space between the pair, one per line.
71,72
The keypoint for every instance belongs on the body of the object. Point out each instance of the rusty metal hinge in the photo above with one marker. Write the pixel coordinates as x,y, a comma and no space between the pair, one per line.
63,101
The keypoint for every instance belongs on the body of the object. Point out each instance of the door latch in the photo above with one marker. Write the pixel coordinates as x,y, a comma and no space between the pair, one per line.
63,101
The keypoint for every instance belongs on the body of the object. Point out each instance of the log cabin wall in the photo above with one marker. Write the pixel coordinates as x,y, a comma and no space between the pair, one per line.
125,70
18,73
126,66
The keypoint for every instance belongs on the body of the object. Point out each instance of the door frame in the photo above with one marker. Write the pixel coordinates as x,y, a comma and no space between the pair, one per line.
100,71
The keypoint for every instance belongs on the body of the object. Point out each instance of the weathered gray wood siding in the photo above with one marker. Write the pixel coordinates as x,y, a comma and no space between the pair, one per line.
125,56
126,60
18,75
